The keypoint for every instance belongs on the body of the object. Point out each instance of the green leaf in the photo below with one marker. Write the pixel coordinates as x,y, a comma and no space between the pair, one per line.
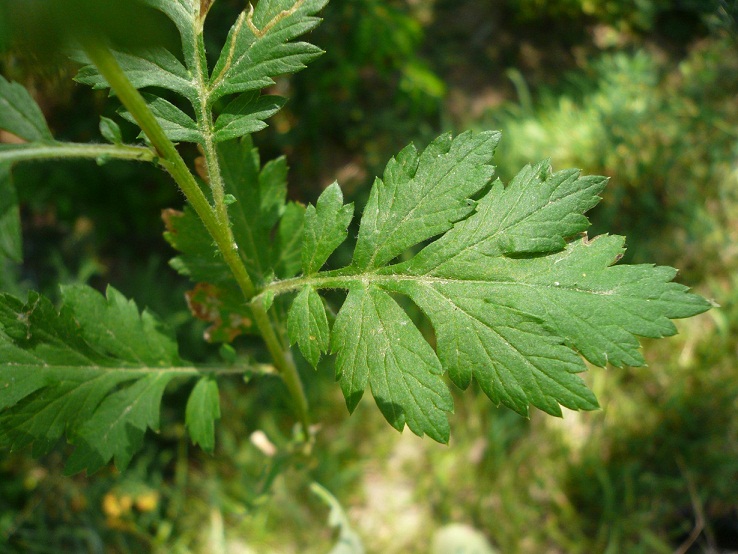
511,353
260,203
95,370
326,227
10,226
119,330
200,260
289,241
516,294
307,325
19,113
117,427
422,195
203,409
110,131
258,46
257,206
246,115
151,67
377,343
580,292
178,126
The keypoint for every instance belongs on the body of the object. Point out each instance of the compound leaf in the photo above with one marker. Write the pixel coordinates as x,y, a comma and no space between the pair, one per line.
516,294
259,47
94,371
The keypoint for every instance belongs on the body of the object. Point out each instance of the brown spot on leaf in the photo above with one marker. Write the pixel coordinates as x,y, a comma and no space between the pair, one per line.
229,319
201,168
168,215
205,6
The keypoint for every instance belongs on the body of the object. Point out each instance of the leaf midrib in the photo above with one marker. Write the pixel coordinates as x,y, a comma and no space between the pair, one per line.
353,280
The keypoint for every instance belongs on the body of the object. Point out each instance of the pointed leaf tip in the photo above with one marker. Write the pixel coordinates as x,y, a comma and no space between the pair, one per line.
326,228
203,410
307,325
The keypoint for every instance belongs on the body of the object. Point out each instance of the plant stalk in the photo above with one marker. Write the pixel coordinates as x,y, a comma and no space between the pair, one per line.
279,351
286,364
215,218
71,150
107,65
205,119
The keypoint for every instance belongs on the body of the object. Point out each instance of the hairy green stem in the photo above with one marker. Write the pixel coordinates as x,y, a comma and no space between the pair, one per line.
205,124
179,371
71,150
277,347
107,65
215,218
282,357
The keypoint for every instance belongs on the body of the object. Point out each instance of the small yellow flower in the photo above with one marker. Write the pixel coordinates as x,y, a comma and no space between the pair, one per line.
147,501
115,506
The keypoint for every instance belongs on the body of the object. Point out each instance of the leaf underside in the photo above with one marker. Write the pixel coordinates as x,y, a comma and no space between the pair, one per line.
517,295
94,371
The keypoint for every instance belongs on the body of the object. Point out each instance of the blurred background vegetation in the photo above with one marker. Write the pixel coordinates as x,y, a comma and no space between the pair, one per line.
644,91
